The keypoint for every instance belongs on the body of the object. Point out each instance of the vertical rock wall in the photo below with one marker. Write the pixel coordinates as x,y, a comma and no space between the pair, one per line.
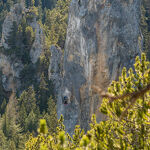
55,69
102,37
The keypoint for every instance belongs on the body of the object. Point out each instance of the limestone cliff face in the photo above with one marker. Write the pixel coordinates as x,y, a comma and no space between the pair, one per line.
38,44
55,69
10,73
102,37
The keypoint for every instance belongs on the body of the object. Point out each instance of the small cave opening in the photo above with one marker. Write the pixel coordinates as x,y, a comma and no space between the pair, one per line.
65,100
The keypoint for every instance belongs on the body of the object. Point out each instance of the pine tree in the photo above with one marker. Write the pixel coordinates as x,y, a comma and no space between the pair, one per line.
3,106
11,129
51,115
2,94
56,23
3,141
49,4
31,122
43,93
131,112
28,3
30,35
28,110
10,39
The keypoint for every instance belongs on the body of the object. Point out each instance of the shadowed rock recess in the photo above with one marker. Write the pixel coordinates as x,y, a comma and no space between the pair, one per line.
102,37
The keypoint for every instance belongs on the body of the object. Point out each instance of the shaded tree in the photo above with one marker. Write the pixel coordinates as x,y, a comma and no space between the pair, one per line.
43,93
27,108
10,128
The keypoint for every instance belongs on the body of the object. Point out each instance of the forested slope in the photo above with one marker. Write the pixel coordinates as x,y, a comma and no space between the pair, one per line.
55,60
27,31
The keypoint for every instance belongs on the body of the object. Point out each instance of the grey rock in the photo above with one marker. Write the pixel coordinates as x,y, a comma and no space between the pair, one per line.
15,15
102,37
10,73
10,65
38,43
55,69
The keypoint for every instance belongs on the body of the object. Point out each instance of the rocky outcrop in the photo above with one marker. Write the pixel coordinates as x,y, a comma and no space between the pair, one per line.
102,37
55,69
38,43
10,73
10,64
15,15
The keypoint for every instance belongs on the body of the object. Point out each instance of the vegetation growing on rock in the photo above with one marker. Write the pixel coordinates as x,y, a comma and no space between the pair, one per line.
34,99
128,119
27,95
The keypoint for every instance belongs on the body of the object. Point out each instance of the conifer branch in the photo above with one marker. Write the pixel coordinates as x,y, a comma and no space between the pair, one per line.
134,96
112,98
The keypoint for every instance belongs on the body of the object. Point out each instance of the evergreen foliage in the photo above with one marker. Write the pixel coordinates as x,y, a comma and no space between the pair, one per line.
128,119
43,93
10,130
56,23
11,41
48,4
28,110
30,35
4,9
35,98
51,115
3,96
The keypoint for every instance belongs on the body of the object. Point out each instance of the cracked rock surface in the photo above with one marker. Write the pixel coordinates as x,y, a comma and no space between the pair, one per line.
102,37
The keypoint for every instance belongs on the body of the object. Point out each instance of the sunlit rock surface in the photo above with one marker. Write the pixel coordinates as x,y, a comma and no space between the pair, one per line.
102,37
